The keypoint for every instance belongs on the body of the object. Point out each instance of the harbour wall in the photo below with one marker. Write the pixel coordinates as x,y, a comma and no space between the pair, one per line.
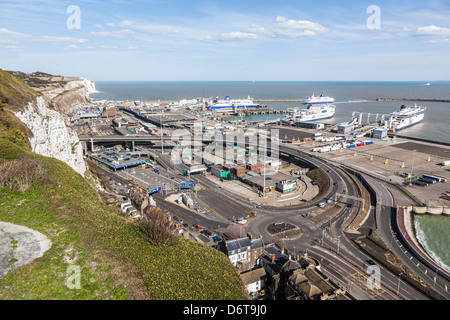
432,211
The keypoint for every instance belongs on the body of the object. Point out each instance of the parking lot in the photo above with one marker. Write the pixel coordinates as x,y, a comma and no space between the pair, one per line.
149,178
393,160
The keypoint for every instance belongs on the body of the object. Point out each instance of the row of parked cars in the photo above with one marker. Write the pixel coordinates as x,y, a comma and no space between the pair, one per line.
211,235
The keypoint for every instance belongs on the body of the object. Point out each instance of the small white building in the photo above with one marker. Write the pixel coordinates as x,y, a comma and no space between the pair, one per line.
254,280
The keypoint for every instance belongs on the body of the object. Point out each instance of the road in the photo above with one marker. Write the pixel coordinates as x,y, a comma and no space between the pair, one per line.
327,241
384,224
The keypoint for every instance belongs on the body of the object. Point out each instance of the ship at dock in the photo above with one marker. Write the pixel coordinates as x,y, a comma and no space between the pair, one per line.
230,105
322,99
406,117
318,108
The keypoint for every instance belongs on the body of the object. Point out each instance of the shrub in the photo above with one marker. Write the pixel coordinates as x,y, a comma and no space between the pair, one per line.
158,227
20,174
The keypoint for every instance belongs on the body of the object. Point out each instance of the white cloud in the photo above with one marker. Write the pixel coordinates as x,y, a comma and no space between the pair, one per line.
437,34
284,27
257,28
114,34
125,23
280,28
10,47
8,36
110,24
13,37
231,36
433,31
237,36
52,39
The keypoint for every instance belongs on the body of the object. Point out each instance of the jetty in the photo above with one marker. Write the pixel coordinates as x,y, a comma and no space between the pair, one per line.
279,100
413,99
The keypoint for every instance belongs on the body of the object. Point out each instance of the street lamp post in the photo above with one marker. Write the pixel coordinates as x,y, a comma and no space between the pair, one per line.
162,139
412,168
398,288
435,277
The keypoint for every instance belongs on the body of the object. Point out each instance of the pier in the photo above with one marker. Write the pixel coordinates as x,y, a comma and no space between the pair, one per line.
279,100
256,111
413,99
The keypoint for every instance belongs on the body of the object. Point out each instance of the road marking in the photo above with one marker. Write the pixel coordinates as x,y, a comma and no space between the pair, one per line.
212,210
360,280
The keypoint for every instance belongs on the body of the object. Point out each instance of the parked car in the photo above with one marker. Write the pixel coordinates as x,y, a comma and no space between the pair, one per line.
371,262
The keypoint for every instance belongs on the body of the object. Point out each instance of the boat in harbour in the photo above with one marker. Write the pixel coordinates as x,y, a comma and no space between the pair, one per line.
406,117
318,108
314,113
229,105
322,99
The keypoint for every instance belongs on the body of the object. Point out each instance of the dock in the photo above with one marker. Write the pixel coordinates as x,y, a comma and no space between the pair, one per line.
256,111
413,99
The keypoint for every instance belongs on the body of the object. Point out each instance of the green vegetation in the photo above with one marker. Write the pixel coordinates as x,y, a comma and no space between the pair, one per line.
117,259
14,92
322,179
97,238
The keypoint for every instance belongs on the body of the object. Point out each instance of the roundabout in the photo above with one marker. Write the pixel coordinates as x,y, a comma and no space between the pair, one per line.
284,230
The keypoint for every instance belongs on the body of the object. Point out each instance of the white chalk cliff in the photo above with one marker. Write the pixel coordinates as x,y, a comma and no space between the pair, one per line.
52,137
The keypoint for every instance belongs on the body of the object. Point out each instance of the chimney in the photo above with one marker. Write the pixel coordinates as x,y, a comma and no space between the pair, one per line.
273,258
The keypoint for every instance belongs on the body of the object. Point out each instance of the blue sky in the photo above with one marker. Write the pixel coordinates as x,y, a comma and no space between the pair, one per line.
166,40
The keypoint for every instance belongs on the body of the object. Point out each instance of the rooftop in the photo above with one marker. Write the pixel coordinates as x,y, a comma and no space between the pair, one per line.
252,276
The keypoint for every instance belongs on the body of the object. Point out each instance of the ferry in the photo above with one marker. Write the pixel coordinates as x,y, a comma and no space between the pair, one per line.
322,99
229,105
406,117
319,108
315,112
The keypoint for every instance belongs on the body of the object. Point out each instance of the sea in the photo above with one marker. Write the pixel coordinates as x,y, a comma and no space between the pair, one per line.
352,98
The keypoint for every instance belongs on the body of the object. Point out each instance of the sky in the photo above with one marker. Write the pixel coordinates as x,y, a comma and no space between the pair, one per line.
199,40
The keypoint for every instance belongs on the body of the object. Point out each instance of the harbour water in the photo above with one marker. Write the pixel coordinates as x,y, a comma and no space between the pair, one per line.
350,97
433,234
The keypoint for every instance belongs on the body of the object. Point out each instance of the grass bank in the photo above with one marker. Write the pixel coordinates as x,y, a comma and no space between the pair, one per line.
322,179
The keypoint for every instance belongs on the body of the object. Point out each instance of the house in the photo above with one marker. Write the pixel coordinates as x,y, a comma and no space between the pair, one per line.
243,252
279,265
309,283
254,280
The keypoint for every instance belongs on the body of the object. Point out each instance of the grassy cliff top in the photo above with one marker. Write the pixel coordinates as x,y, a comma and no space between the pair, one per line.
14,92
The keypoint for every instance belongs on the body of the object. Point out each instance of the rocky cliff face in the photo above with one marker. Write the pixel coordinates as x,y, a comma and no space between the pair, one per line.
46,116
51,136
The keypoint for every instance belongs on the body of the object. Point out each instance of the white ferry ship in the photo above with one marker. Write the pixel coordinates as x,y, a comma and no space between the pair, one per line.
319,108
406,117
314,113
229,105
322,99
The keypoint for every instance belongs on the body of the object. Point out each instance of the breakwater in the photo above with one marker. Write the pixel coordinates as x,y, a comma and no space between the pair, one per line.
413,99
